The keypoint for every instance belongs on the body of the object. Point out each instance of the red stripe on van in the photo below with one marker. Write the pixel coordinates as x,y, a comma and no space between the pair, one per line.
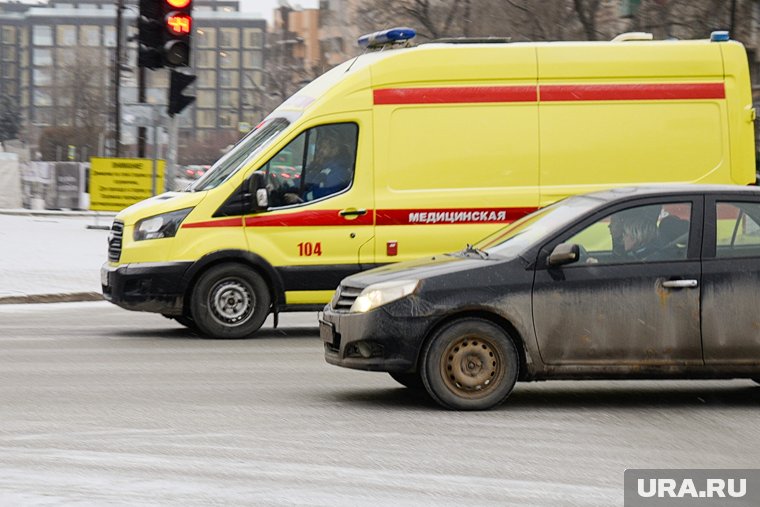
313,218
226,222
672,91
455,94
450,216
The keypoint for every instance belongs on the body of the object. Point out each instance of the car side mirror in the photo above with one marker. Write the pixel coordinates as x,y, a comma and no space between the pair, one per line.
564,253
257,188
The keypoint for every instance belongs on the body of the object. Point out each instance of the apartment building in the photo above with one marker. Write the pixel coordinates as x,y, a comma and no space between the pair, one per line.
58,59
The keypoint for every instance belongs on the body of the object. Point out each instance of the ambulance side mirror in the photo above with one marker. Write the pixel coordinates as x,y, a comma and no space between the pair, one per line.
257,188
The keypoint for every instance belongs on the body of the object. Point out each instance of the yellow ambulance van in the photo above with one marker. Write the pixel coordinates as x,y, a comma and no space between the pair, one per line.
413,151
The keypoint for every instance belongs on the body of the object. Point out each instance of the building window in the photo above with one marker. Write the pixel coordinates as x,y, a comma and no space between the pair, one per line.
66,35
253,79
42,35
9,69
252,38
109,36
229,59
205,38
252,59
42,97
43,115
205,118
43,57
229,38
229,79
206,98
89,36
228,119
206,59
9,35
229,98
9,54
63,117
65,57
206,79
42,77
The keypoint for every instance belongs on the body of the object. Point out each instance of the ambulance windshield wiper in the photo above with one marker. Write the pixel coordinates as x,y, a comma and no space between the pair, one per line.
469,249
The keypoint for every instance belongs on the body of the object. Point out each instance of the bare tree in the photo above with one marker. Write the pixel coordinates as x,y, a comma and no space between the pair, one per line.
10,118
83,98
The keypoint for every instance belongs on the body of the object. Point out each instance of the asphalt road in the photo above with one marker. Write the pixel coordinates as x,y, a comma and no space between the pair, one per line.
100,406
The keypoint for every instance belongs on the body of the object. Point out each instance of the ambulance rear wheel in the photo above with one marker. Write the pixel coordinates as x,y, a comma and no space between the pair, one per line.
230,301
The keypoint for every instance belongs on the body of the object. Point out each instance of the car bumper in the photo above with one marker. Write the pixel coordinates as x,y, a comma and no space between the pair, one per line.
373,341
150,287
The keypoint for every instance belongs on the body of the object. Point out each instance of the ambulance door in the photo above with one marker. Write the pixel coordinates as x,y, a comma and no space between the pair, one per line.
320,209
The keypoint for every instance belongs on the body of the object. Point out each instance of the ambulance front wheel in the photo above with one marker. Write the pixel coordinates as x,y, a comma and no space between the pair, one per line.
230,301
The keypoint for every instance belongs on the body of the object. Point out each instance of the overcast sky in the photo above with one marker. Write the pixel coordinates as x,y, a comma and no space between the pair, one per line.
265,7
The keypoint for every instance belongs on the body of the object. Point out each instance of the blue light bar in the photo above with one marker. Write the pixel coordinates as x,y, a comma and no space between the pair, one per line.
398,34
719,36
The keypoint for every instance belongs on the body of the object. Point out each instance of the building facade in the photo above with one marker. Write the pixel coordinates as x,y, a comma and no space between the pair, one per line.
58,65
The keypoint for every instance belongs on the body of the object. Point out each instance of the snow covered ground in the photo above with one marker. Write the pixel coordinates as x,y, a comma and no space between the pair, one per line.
51,254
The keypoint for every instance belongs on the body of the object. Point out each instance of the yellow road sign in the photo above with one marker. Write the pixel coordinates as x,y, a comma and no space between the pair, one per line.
116,183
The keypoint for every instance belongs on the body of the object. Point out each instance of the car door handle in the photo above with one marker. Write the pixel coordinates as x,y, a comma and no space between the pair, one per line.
353,212
680,284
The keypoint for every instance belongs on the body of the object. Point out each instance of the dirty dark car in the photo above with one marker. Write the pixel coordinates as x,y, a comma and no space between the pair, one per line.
633,283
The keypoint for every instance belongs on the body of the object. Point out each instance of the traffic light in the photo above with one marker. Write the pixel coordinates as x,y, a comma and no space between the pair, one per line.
178,101
178,27
165,27
150,25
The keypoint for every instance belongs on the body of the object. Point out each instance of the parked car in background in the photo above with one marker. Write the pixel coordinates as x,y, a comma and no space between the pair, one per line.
193,172
645,283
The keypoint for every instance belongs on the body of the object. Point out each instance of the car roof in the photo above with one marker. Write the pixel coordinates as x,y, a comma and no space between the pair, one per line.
656,190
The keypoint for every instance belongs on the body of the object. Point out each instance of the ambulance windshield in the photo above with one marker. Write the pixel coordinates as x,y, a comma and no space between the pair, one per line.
240,154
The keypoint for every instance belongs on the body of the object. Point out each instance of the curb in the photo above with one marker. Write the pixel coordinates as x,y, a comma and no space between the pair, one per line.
74,297
57,213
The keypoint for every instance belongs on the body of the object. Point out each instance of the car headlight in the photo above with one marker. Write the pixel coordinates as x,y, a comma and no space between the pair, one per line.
160,226
383,293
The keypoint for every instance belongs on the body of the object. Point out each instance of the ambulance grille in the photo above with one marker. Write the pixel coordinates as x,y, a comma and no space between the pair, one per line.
114,241
346,298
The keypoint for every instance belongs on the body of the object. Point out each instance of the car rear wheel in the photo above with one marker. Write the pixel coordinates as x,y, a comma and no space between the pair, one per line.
230,301
471,364
410,380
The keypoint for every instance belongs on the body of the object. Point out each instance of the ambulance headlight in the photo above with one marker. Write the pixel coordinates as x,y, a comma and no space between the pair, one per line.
160,226
383,293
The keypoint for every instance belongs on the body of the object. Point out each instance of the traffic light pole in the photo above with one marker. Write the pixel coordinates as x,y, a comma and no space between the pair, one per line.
141,131
117,78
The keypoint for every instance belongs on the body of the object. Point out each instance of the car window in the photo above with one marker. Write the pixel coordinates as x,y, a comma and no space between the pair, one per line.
317,164
737,229
652,233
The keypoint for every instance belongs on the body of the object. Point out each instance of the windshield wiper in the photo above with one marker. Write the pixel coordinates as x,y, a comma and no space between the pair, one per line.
469,249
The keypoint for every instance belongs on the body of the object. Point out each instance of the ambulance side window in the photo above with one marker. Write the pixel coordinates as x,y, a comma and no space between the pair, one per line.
317,164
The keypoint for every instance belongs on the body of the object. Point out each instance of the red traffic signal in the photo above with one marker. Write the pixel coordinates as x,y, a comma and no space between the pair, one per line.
178,29
179,23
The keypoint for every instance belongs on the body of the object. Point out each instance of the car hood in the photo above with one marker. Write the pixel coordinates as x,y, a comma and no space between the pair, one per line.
420,269
163,203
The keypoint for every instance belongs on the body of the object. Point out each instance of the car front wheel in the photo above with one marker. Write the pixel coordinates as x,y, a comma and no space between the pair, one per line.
471,364
230,301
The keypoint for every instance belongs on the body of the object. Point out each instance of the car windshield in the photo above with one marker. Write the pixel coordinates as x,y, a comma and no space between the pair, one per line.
515,237
240,154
